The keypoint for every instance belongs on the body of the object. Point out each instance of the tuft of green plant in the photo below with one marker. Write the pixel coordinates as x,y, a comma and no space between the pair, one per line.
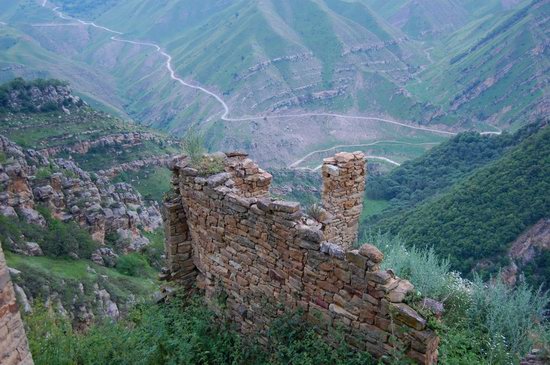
210,165
44,173
429,274
510,316
193,145
316,211
70,174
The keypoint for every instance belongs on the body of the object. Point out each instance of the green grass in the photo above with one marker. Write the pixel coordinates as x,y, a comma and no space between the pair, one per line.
152,182
44,275
101,158
41,130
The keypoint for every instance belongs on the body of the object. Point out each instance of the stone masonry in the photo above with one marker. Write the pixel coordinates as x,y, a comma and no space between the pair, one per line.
255,257
14,349
342,195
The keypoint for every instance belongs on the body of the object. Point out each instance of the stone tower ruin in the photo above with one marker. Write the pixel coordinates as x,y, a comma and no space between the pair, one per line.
225,234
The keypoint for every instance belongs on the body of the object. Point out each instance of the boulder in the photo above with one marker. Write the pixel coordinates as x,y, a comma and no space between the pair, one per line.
372,253
32,249
32,216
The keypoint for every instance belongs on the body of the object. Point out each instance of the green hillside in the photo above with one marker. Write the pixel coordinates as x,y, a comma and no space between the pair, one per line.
437,170
477,220
492,69
429,19
93,139
453,65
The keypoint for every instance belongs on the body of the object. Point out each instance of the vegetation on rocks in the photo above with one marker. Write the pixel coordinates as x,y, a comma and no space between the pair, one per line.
56,239
484,322
179,332
23,91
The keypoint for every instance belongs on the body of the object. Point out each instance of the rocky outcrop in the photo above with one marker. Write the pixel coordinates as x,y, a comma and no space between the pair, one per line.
28,179
537,237
42,97
137,165
262,256
265,64
525,248
120,139
14,349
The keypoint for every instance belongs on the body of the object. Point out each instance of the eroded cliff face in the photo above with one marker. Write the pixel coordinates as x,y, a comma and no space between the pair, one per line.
28,179
115,215
14,349
228,238
525,249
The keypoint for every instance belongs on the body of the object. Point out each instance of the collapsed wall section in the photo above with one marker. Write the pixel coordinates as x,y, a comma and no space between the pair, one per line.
255,258
14,349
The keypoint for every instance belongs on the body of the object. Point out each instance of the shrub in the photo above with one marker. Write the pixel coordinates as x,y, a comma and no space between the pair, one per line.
483,322
63,239
44,173
316,211
429,274
133,264
179,332
510,317
193,145
57,239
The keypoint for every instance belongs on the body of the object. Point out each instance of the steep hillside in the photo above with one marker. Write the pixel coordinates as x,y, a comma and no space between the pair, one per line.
249,55
477,220
84,240
493,70
262,75
46,116
65,230
426,19
440,168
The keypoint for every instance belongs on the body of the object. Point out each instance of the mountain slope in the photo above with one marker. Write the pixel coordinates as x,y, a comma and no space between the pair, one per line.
436,171
83,241
426,19
478,219
273,69
495,70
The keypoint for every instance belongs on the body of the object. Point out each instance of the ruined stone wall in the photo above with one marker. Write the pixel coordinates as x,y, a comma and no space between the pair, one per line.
342,196
256,257
14,349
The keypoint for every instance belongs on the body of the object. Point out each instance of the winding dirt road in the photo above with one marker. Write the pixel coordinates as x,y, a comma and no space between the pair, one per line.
226,110
334,148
